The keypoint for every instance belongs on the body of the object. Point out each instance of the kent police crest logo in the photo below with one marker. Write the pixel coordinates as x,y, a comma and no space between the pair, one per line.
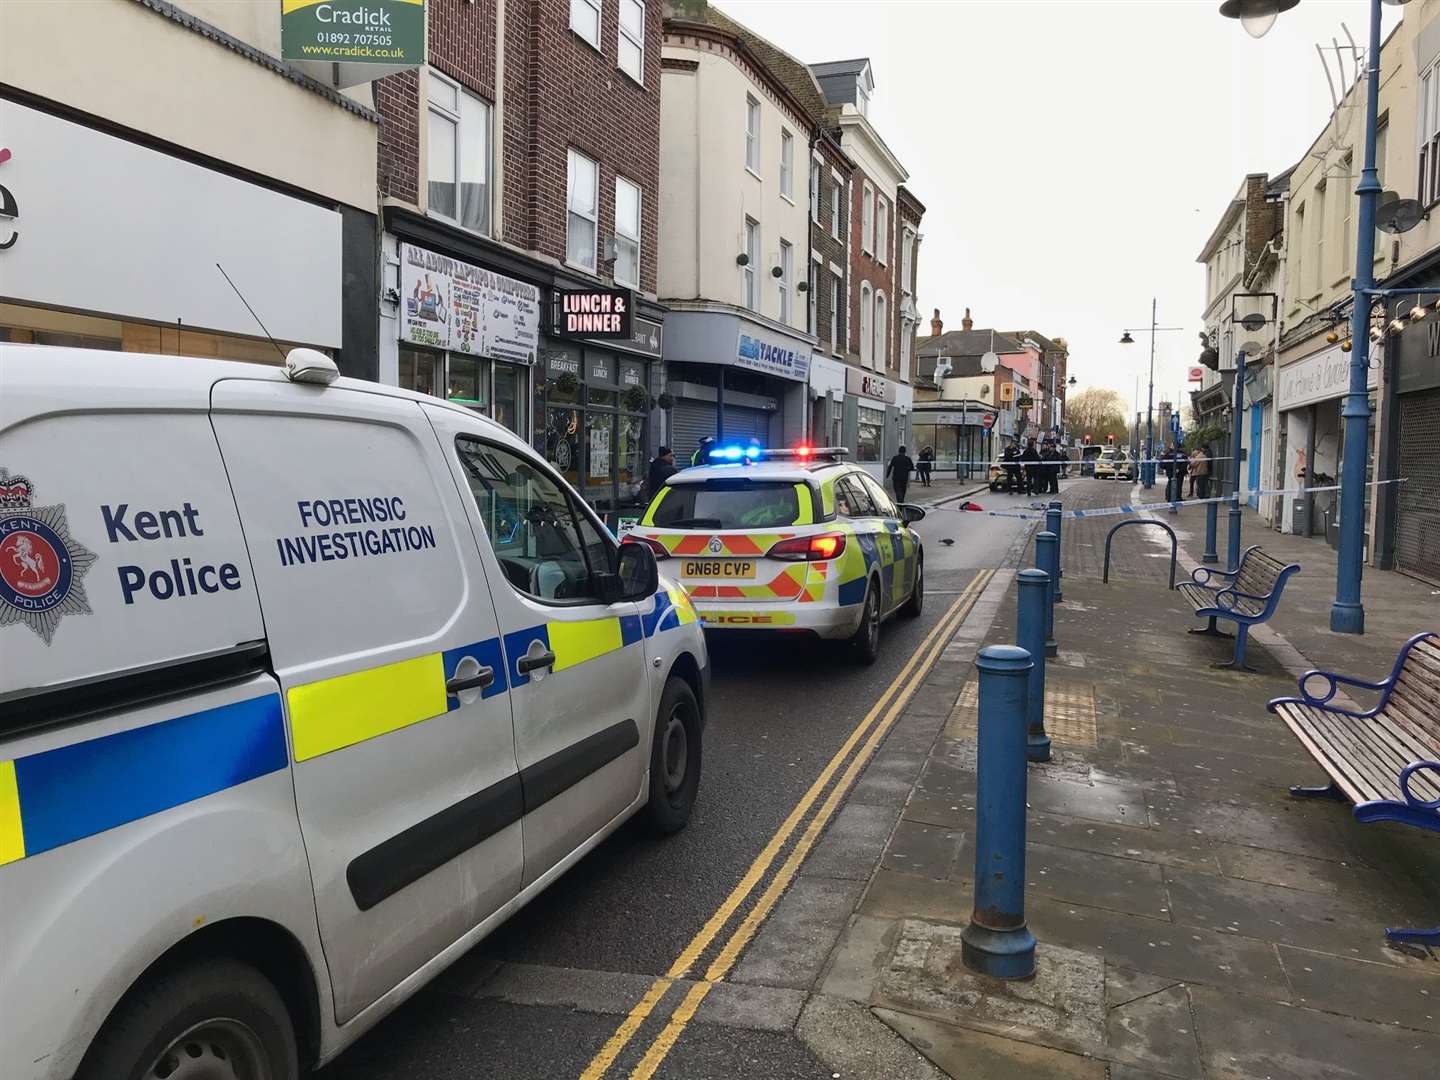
41,565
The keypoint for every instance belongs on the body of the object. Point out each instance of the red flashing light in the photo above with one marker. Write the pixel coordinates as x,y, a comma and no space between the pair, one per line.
804,451
809,548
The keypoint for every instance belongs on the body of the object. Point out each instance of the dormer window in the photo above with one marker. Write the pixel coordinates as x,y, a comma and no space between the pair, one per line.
862,99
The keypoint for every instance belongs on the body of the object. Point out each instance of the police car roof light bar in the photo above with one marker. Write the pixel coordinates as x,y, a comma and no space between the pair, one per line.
808,452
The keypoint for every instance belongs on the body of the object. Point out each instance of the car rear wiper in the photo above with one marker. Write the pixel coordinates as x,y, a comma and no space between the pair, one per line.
693,523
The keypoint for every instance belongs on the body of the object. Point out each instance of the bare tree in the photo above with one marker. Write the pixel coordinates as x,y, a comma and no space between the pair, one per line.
1097,412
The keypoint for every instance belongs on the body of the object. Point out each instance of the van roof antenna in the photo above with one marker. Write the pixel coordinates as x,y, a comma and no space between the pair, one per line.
251,310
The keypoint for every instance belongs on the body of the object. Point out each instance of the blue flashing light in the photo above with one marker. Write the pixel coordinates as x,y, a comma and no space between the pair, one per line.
752,452
727,453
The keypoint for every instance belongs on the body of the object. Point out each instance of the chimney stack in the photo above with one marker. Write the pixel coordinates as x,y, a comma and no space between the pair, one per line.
936,326
966,323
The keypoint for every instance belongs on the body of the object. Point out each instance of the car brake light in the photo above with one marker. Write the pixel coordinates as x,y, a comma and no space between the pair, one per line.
808,548
654,545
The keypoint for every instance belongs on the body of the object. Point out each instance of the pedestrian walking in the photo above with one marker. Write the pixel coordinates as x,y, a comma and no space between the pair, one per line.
661,469
927,458
1201,471
898,473
1053,460
1030,459
701,456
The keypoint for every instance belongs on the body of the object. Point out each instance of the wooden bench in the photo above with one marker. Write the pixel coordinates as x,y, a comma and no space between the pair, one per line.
1251,592
1385,760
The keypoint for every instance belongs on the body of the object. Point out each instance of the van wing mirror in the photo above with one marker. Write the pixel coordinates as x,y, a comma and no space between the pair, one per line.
910,513
637,574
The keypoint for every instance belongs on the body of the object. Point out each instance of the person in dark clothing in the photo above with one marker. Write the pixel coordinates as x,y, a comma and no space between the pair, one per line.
1053,459
1030,459
1011,459
661,469
1176,466
927,457
898,473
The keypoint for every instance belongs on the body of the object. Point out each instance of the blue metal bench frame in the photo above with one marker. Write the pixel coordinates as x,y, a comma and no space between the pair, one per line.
1414,811
1224,609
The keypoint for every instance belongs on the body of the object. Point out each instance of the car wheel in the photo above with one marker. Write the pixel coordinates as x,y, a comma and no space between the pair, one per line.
866,640
916,603
221,1019
674,759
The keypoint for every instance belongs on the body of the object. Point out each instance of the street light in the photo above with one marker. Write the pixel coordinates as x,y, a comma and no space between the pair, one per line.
1347,613
1147,468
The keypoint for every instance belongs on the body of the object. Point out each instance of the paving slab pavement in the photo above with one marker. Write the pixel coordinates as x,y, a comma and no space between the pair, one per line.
1194,919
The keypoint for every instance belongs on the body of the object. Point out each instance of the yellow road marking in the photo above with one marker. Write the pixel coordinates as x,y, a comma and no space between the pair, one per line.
753,875
732,949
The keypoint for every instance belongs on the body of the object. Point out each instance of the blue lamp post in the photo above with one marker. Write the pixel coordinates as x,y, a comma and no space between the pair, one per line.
1147,470
1347,614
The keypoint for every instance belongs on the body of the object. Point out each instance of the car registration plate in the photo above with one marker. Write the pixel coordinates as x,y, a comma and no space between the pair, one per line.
718,568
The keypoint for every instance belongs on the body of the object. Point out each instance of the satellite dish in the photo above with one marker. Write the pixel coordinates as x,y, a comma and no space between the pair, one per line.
990,361
1399,215
1253,322
1252,348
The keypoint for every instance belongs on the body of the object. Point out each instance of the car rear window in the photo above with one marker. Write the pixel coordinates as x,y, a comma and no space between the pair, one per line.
728,504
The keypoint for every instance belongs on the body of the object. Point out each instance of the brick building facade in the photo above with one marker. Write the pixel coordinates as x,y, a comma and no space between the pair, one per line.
829,248
522,160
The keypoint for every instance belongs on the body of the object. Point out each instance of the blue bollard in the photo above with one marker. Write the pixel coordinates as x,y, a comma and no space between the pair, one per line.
1030,633
1052,524
1210,555
1047,558
997,942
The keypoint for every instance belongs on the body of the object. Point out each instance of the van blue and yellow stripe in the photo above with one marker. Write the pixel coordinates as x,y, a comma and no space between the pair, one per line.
59,796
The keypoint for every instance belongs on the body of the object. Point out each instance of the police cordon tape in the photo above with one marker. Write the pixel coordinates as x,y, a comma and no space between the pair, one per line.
1038,510
1076,461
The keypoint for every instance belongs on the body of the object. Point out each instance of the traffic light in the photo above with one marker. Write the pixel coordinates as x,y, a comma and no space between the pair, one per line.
1110,438
1087,438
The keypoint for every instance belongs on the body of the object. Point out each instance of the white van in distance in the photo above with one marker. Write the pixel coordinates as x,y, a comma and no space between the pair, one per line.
306,684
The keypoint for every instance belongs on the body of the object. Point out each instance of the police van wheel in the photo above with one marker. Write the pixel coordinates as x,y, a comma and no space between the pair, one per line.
674,759
916,603
214,1021
866,641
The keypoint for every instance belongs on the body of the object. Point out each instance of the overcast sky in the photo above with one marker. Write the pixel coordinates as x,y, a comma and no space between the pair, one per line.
1074,155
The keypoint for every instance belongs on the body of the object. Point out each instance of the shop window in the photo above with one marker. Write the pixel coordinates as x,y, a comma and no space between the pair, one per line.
585,20
632,460
420,370
871,426
631,42
752,256
627,233
467,380
583,197
508,399
547,546
458,153
562,441
600,460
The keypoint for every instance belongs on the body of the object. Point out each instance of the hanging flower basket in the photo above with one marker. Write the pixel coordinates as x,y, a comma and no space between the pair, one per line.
666,400
636,399
566,383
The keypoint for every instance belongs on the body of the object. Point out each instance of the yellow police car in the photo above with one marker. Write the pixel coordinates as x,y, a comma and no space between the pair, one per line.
793,540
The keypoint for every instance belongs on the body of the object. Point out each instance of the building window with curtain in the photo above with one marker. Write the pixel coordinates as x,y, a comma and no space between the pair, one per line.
583,197
458,154
627,233
787,278
630,45
752,255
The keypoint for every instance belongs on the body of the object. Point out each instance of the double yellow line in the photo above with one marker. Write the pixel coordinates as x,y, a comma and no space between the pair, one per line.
886,710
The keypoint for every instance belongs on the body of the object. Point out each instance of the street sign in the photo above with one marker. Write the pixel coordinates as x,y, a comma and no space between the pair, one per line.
987,421
1197,374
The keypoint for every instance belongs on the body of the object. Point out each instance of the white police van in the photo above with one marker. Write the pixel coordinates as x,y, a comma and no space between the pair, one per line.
306,684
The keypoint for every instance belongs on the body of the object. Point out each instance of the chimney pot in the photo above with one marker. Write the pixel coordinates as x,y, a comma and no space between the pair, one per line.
936,326
966,323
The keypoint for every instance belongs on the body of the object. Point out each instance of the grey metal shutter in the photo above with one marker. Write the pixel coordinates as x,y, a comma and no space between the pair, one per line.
742,425
689,420
1417,509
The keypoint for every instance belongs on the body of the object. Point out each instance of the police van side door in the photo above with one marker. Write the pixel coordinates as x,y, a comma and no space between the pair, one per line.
576,665
384,638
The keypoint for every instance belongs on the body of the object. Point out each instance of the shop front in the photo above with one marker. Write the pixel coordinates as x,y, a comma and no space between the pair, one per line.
964,443
91,256
1415,454
1308,397
735,378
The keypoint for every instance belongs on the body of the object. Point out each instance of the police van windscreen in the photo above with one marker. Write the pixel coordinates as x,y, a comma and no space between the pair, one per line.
727,504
